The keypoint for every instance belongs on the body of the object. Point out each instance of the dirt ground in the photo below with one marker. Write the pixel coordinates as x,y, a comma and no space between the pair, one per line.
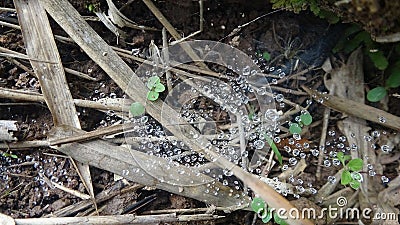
288,38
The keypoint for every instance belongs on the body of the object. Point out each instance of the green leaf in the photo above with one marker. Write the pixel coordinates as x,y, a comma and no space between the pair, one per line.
279,220
306,119
258,205
378,59
355,184
376,94
152,95
355,164
90,7
353,29
251,112
152,81
13,156
393,80
266,56
330,16
352,44
274,148
159,87
347,157
137,109
346,177
340,157
295,128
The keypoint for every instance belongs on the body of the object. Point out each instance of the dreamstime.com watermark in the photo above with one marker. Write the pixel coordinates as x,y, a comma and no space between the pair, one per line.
340,212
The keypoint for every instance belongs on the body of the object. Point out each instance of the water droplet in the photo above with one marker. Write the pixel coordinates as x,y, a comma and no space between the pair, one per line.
297,136
332,179
382,119
246,71
336,162
271,114
258,144
292,161
279,97
327,163
384,179
386,148
227,173
285,167
371,173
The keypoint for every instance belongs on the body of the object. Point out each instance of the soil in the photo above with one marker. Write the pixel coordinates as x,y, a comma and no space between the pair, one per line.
286,36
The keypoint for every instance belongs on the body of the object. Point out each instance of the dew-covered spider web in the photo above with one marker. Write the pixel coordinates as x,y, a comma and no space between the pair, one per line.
228,109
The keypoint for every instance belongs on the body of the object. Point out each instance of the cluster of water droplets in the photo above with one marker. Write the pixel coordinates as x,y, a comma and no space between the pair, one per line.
340,143
38,168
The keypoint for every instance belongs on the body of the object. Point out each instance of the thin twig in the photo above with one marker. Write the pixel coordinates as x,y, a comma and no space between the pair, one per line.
22,66
7,9
10,25
116,219
165,56
102,104
92,134
79,74
197,32
325,122
163,20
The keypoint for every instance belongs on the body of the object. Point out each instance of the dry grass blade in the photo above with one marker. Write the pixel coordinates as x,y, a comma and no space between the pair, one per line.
40,44
110,220
357,109
121,20
102,104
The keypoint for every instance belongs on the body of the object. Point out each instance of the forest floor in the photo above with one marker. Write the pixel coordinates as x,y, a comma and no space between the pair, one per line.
292,50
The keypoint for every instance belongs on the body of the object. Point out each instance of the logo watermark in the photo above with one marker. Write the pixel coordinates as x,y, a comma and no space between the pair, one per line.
338,212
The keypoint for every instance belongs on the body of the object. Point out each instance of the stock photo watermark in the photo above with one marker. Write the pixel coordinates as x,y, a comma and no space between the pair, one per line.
338,212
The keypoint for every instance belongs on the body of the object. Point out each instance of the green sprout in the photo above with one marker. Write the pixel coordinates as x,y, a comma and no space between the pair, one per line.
261,208
10,155
305,120
137,109
274,148
266,56
92,7
155,86
393,81
350,175
354,37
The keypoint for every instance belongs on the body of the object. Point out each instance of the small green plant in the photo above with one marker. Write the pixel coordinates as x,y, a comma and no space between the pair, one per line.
265,55
155,86
10,155
274,148
92,7
261,208
305,120
297,5
137,109
314,5
354,37
350,175
393,81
